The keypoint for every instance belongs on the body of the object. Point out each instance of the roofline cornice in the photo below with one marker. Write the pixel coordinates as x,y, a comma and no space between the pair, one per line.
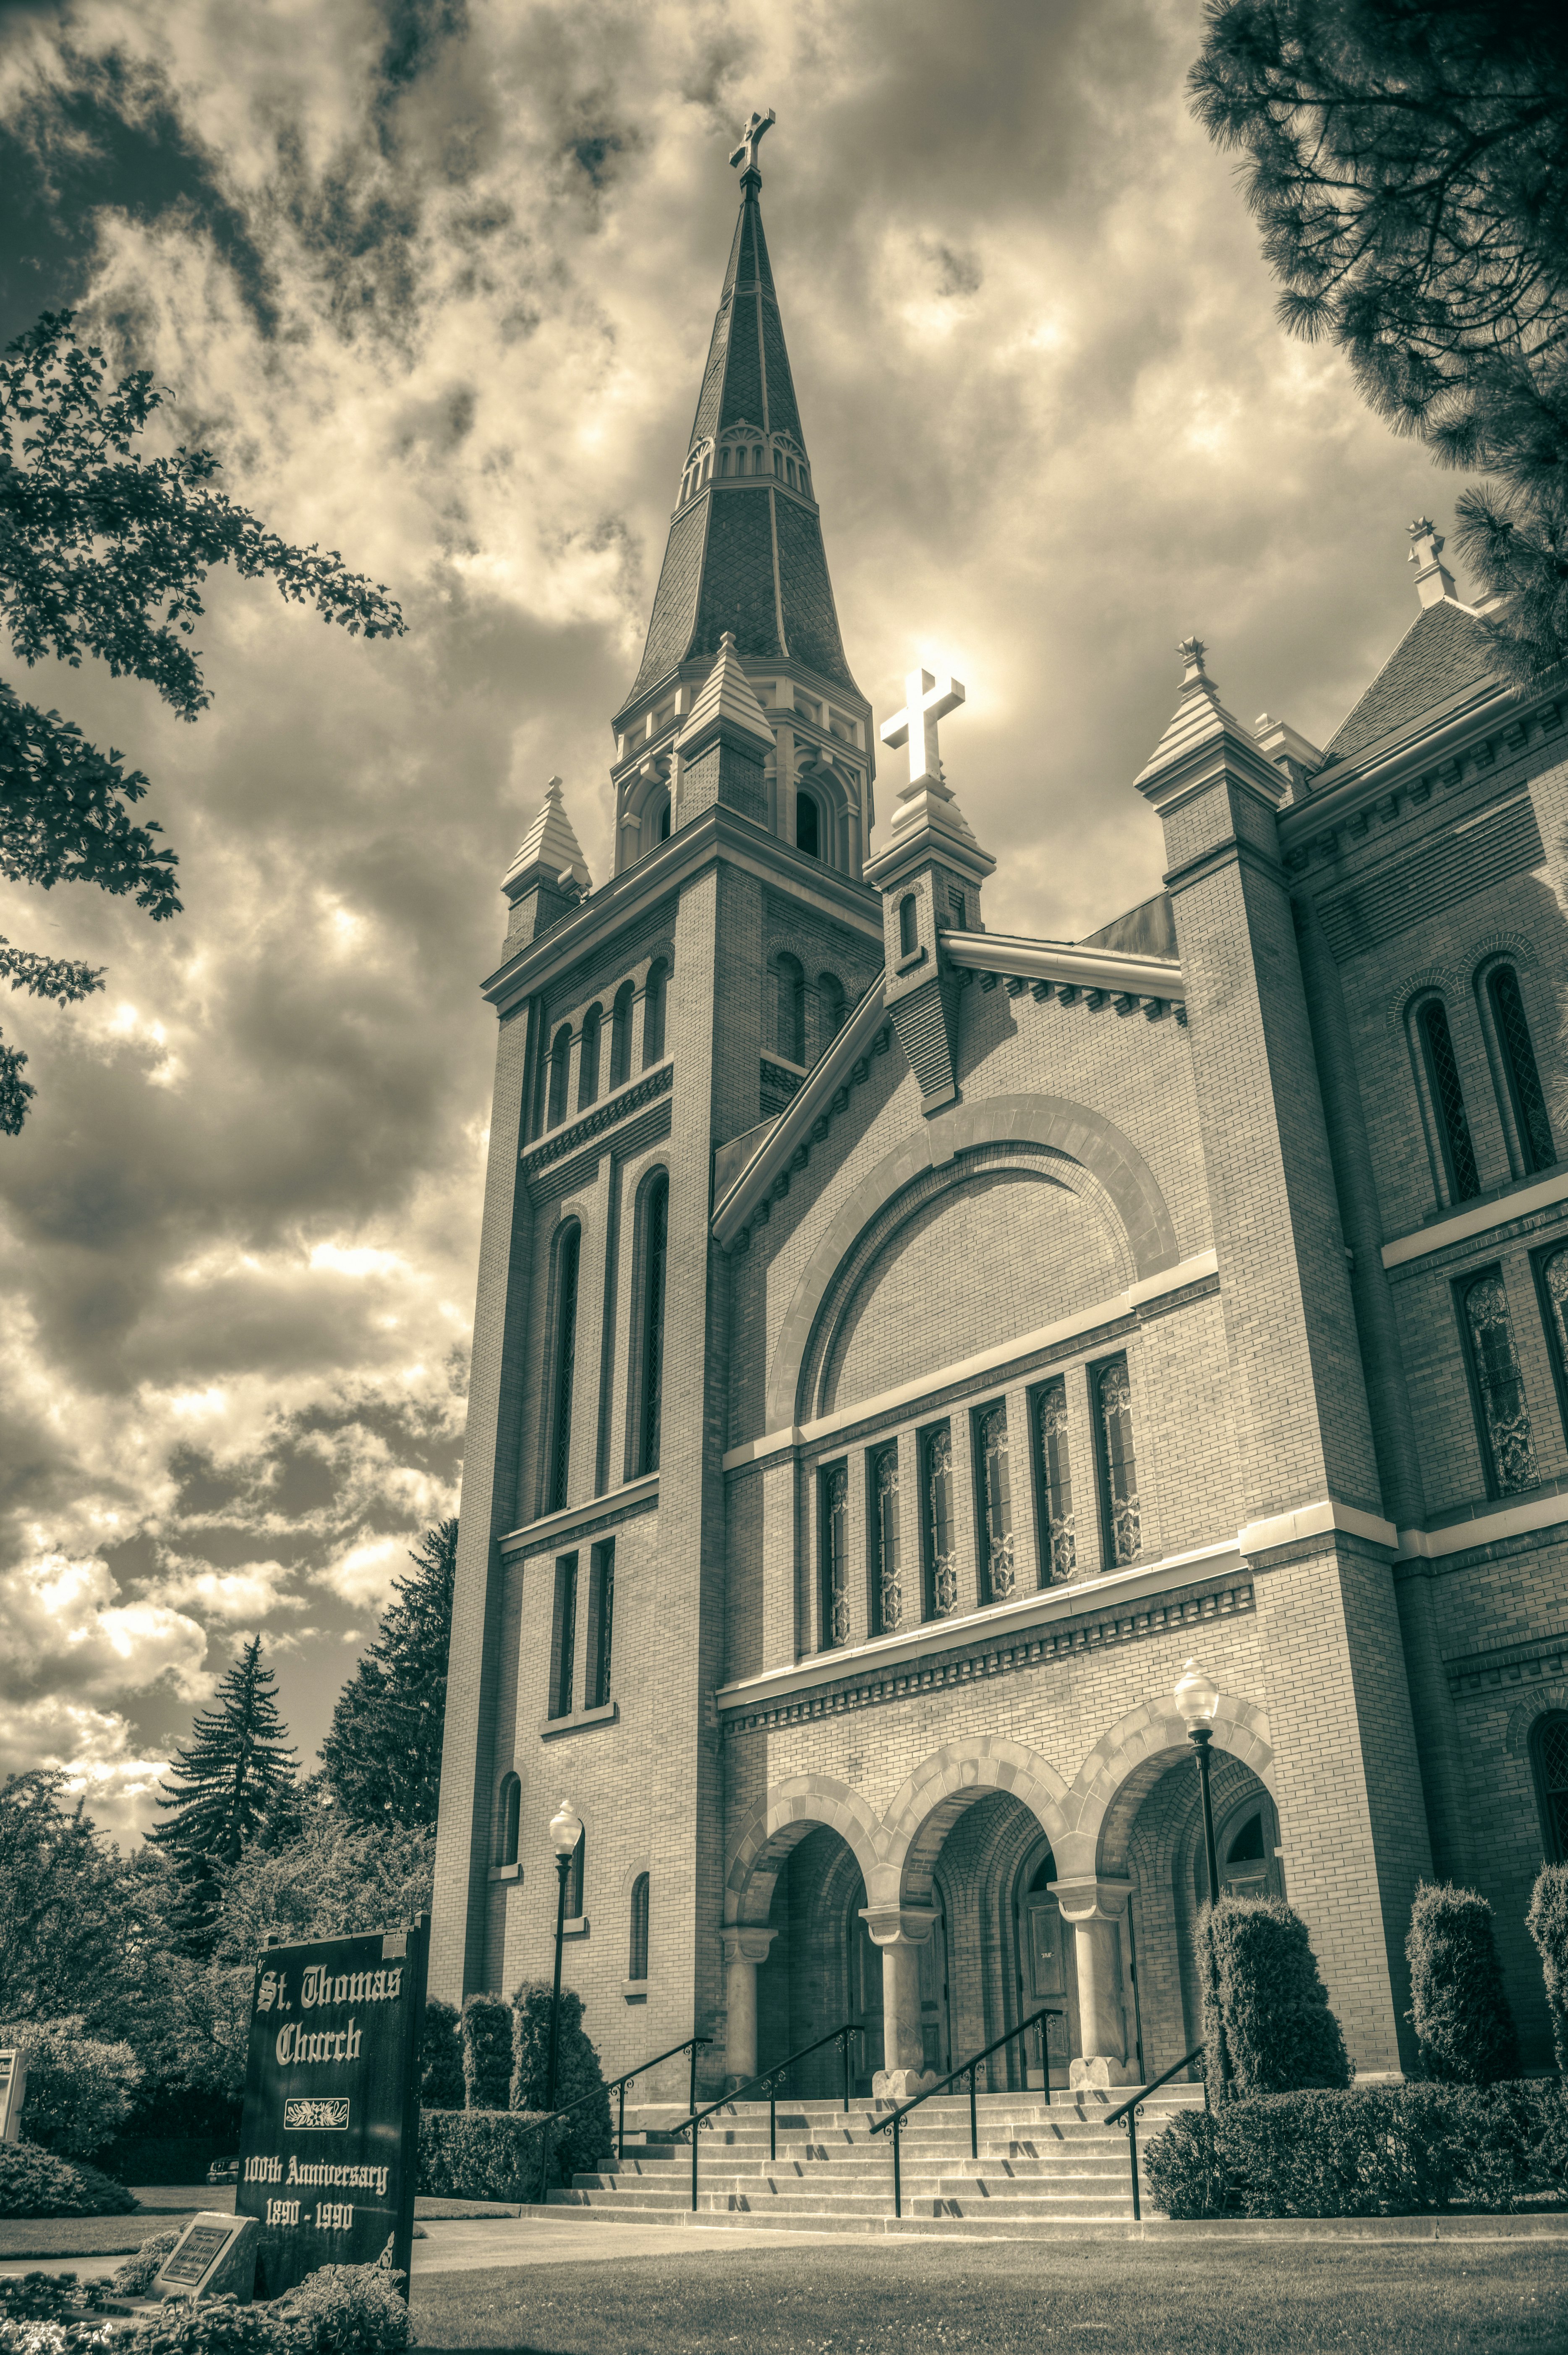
1336,801
1110,969
718,834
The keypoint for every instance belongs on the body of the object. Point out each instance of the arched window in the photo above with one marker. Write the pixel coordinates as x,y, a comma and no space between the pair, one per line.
830,998
994,1484
638,1960
655,1256
560,1072
1053,1484
653,1013
789,1009
1118,1468
909,934
807,825
508,1818
936,1522
658,821
568,1254
833,1548
588,1061
887,1585
621,1035
1549,1757
1502,1409
1515,1055
1450,1119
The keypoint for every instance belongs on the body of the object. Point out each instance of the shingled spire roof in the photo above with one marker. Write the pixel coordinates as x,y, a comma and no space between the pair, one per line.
745,550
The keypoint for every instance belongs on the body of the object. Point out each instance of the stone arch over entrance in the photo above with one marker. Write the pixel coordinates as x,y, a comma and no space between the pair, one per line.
1127,1761
925,1810
778,1824
1075,1130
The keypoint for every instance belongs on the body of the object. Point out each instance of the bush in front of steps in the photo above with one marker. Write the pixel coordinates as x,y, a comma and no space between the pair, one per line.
486,2052
38,2182
440,2057
584,2142
1547,1922
1460,2013
1279,2035
481,2154
1381,2151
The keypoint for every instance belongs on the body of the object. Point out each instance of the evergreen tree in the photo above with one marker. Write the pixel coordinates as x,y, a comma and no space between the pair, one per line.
1460,2008
238,1762
383,1754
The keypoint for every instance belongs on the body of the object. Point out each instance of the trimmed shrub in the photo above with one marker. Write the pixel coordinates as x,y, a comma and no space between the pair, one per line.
1547,1922
1459,2009
37,2182
479,2153
440,2057
584,2142
219,2326
1383,2150
134,2277
487,2053
347,2310
1279,2034
51,2297
78,2089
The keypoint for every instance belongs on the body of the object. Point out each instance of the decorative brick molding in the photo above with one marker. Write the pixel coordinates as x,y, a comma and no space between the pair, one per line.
779,1823
1522,1718
600,1117
1509,1664
923,1812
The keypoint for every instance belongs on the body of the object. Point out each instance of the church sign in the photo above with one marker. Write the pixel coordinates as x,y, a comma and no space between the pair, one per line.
329,2137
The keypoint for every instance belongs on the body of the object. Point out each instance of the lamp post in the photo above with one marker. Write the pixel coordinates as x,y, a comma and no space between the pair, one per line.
565,1831
1198,1697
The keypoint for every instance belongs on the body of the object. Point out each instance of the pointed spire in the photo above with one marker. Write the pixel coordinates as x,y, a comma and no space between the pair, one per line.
724,745
549,850
1199,730
726,694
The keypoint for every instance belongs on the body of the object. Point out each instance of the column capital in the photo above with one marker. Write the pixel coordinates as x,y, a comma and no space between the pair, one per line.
1089,1899
898,1926
744,1943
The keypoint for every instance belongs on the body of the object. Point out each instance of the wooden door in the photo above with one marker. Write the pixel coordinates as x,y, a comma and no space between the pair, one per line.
1046,1976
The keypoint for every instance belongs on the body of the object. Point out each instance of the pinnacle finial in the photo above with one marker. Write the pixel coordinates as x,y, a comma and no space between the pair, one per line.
1192,651
1433,581
745,154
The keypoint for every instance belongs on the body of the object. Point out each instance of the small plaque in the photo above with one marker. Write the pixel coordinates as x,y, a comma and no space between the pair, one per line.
213,2254
315,2116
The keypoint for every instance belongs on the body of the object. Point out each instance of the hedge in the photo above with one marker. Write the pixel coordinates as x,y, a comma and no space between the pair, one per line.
480,2154
440,2057
1278,2032
37,2182
1464,2027
1377,2151
486,2052
585,2142
1547,1922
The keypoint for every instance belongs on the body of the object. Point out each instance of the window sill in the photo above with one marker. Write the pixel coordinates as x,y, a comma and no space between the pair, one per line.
605,1715
634,1991
575,1926
506,1873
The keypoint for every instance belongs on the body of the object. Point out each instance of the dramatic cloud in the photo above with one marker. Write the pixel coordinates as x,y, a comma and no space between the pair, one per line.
435,280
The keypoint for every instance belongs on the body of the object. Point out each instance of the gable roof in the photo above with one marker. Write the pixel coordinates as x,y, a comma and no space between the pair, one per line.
1442,657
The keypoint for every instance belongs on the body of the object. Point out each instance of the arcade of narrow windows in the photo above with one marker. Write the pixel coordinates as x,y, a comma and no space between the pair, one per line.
803,1022
1521,1100
596,1072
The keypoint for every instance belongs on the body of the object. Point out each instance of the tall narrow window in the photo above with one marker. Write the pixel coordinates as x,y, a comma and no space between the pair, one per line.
508,1814
560,1072
1549,1755
656,1259
588,1061
653,1013
936,1522
600,1624
621,1036
1118,1468
830,998
909,925
1551,1275
789,1009
638,1959
577,1878
833,1552
1058,1543
807,825
887,1585
563,1636
661,820
994,1487
1531,1127
1448,1102
569,1251
1502,1411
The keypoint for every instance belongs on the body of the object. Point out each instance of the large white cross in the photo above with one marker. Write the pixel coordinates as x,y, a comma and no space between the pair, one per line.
926,700
752,139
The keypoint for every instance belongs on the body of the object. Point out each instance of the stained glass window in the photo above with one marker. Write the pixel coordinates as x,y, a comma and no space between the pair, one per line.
655,1257
1058,1543
937,1516
1549,1747
885,1574
637,1961
1536,1142
1448,1102
600,1624
835,1553
1508,1444
567,1258
996,1499
1554,1293
564,1649
1118,1468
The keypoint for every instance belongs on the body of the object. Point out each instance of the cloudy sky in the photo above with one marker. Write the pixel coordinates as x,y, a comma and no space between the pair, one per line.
435,278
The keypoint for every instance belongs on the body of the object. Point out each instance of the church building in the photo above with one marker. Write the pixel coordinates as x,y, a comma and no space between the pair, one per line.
902,1346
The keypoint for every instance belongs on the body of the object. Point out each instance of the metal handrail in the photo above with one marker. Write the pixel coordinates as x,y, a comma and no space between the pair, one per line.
1130,2109
616,2085
895,2118
771,2079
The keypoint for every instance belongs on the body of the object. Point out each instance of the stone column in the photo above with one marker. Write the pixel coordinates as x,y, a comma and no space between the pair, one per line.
744,1948
1095,1909
900,1930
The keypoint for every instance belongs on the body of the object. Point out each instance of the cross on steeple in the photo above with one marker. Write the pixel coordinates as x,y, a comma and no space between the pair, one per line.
752,139
926,700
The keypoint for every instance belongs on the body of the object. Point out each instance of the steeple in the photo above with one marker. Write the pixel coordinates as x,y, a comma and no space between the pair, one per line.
745,558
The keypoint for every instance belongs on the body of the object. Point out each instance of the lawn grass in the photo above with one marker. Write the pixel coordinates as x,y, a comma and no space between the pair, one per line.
1013,2298
49,2237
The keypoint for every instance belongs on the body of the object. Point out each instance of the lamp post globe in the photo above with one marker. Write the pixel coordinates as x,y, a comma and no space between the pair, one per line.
565,1831
1197,1697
